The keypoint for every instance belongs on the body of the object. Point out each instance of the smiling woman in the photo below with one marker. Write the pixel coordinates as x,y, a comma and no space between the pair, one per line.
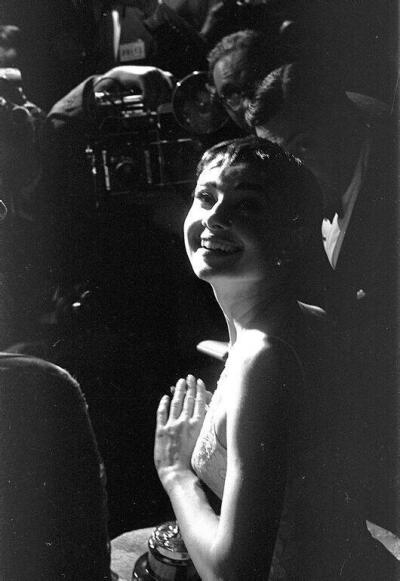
269,444
261,446
249,212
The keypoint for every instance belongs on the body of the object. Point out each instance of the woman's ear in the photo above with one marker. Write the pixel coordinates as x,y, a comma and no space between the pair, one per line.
295,243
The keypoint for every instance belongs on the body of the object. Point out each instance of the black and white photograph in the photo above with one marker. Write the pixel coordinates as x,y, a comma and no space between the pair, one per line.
199,271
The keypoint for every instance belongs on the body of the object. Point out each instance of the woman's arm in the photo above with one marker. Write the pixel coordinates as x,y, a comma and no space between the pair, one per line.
257,461
238,544
178,427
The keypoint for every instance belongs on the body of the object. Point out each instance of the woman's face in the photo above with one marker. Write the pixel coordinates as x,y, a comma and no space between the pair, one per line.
228,228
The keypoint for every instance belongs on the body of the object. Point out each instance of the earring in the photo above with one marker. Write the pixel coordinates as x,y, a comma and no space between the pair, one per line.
283,259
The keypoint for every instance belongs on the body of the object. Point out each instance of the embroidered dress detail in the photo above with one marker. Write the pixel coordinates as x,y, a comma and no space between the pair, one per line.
209,455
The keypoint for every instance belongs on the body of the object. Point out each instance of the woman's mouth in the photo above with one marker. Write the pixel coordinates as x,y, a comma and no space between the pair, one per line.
219,246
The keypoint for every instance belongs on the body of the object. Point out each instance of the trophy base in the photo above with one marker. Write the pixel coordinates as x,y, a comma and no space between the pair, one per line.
141,571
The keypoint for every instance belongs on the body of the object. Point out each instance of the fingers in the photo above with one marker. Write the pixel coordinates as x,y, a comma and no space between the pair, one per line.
178,398
156,88
162,411
200,401
190,398
188,405
155,85
170,79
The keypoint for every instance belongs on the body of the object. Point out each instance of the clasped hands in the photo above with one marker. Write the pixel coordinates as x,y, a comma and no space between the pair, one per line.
179,421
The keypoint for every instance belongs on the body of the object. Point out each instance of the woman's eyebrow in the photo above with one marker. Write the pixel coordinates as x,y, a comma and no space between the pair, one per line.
249,186
206,185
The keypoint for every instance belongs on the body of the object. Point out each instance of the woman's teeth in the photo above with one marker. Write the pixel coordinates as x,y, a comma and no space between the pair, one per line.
219,246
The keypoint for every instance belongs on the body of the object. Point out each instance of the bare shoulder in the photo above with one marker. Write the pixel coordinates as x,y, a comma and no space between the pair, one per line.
262,373
258,353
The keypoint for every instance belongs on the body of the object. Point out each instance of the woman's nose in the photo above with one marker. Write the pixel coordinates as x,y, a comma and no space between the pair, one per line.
217,217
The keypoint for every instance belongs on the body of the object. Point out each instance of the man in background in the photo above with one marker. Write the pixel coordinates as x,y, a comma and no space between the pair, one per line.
349,142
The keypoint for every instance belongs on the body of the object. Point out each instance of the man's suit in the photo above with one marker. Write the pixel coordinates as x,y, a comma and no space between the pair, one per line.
358,288
361,300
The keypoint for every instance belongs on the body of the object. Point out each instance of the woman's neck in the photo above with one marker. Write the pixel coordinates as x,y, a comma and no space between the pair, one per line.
263,307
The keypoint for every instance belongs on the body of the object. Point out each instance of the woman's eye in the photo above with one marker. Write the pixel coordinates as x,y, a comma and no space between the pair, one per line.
204,197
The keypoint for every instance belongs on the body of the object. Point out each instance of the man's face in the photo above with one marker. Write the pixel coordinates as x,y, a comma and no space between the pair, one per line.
235,79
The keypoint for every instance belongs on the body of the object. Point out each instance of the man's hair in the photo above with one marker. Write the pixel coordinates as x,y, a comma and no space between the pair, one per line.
258,47
293,192
296,86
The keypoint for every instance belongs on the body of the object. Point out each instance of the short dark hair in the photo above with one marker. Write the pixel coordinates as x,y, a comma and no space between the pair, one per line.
295,85
295,192
257,45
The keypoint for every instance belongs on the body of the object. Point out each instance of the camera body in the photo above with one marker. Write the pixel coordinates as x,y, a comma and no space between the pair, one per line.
136,152
15,114
20,164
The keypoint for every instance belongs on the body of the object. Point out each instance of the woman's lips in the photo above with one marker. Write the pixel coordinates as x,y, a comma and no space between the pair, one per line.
222,246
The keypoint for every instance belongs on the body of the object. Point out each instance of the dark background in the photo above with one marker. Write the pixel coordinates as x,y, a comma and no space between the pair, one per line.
145,312
60,42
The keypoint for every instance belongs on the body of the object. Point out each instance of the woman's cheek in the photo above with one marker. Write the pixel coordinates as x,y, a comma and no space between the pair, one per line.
186,236
191,231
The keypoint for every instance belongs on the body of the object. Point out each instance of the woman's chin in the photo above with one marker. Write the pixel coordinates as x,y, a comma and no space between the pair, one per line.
208,265
204,272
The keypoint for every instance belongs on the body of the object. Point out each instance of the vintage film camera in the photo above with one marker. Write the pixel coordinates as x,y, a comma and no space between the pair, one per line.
16,112
135,152
20,121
